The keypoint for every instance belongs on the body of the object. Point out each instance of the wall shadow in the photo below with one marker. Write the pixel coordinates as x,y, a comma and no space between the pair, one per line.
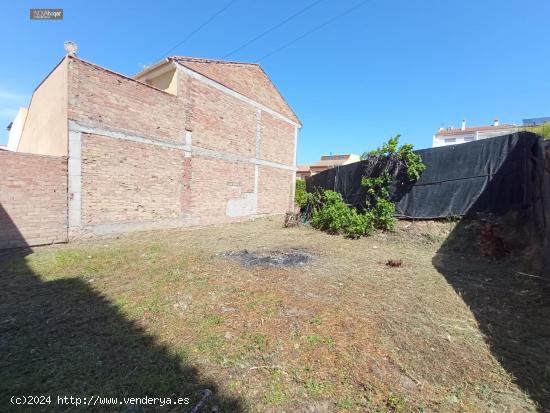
63,338
511,306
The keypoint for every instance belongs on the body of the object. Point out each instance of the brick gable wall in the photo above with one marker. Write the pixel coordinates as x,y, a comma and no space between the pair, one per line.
219,121
33,199
148,159
103,98
277,143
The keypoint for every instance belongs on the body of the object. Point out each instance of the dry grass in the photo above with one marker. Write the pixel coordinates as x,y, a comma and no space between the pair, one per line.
344,332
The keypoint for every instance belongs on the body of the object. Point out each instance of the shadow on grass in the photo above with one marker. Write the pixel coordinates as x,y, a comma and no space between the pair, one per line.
511,308
62,338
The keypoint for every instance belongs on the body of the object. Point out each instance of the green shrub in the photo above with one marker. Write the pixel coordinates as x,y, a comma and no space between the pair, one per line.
332,213
385,165
359,224
302,197
377,187
383,214
412,161
333,216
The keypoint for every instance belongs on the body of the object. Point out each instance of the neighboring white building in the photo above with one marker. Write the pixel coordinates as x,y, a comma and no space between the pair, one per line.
454,136
16,129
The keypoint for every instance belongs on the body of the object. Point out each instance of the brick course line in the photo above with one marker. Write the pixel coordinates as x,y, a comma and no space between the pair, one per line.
227,156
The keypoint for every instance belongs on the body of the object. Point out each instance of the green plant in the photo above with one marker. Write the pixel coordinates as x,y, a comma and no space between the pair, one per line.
383,214
397,403
542,130
315,387
377,187
413,162
384,165
345,404
302,197
392,160
332,215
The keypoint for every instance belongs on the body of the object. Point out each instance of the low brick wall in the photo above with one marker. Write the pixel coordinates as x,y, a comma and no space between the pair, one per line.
33,199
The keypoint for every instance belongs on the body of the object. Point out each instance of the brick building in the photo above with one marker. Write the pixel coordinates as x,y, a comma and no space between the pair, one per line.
326,162
185,142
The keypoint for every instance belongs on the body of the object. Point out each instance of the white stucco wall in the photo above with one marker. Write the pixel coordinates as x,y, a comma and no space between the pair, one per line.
45,131
16,129
469,136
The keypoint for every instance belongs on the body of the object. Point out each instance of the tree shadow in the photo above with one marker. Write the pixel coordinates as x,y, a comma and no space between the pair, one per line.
509,297
63,338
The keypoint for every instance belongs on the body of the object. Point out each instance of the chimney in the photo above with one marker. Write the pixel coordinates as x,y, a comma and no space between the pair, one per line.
70,48
495,122
463,124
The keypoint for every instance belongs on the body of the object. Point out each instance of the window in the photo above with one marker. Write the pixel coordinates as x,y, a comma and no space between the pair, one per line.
450,140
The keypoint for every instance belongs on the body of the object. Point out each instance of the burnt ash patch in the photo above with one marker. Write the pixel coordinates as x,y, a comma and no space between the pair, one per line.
272,258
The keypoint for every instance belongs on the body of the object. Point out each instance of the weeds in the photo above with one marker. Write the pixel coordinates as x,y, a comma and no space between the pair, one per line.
397,403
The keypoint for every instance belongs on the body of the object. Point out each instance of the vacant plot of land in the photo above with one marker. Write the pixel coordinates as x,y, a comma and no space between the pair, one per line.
174,312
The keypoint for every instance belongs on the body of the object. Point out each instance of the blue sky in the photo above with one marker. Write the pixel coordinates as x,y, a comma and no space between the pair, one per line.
390,66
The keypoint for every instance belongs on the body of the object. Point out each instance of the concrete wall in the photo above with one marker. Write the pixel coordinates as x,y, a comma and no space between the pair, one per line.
33,199
45,128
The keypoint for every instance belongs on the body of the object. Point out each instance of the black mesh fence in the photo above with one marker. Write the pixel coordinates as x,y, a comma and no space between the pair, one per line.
492,175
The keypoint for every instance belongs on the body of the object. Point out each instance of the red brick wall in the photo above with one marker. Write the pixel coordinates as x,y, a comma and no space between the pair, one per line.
111,101
277,140
33,199
274,190
219,121
214,182
125,181
248,80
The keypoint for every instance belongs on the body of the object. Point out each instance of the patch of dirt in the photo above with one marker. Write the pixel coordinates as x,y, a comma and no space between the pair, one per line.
273,258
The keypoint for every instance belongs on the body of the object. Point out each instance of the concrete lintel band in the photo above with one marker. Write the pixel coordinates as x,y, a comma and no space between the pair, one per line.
78,127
